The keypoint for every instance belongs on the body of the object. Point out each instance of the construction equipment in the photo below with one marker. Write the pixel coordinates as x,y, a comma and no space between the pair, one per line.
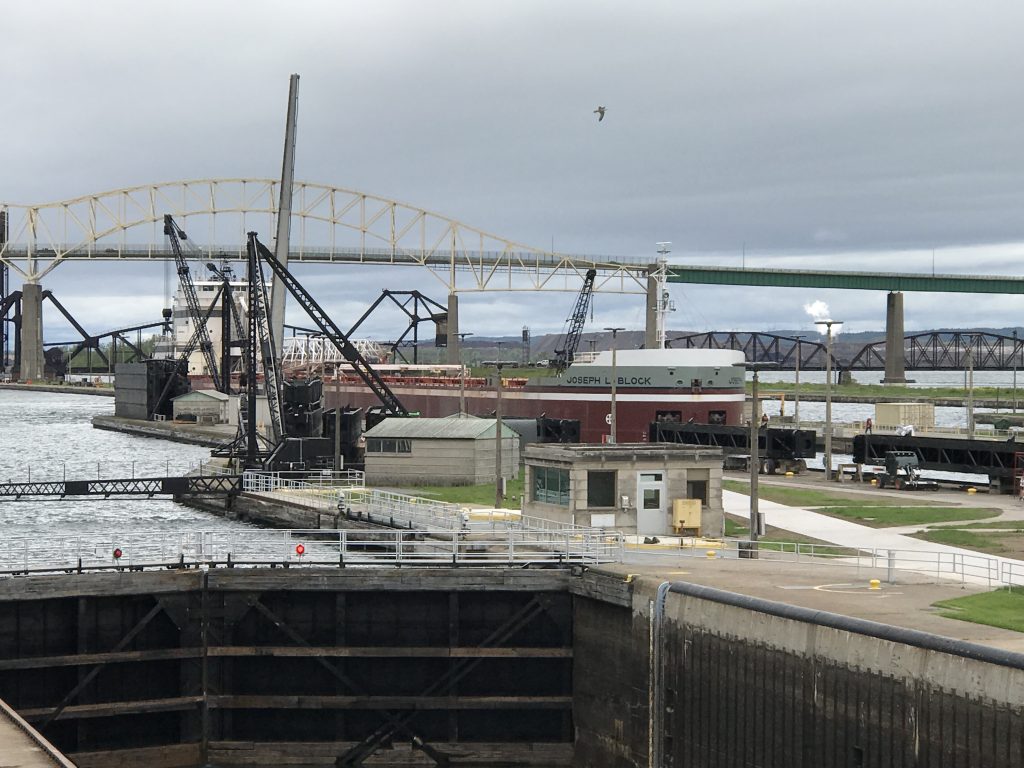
331,331
175,235
570,343
905,462
418,308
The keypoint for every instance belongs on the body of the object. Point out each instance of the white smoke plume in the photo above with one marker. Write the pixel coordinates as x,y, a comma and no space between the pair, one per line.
819,311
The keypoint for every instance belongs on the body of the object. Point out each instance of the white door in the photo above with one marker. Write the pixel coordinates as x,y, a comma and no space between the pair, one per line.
651,504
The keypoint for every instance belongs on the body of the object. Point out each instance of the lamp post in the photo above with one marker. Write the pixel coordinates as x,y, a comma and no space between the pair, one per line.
828,393
796,384
756,521
499,477
1014,370
615,334
970,386
462,377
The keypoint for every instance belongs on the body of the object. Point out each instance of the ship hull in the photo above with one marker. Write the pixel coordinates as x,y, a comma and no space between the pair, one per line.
635,408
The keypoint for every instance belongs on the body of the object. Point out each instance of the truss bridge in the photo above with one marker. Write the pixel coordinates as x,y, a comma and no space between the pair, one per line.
134,486
932,351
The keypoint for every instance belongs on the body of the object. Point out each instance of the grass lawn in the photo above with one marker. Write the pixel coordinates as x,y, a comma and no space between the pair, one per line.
997,537
809,497
887,517
470,494
1000,608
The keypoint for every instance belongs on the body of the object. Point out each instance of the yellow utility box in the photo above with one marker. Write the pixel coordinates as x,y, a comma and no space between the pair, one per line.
686,517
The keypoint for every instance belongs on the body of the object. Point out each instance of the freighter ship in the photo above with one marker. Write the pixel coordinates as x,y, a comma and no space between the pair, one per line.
701,385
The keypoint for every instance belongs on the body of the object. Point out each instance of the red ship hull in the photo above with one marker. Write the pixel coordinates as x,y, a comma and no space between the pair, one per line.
635,408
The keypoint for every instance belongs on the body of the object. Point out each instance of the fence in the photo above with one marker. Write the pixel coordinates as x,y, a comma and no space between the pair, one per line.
296,548
944,566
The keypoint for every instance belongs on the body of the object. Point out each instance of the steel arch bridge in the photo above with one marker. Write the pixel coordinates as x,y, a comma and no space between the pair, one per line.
330,225
932,351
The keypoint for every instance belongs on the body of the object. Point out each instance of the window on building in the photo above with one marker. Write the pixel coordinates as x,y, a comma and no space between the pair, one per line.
716,417
551,485
600,488
388,445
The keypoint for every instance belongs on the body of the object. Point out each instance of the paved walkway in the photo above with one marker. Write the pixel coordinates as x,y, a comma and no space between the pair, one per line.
972,566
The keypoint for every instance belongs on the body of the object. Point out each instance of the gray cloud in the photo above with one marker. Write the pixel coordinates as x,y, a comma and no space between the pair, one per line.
829,135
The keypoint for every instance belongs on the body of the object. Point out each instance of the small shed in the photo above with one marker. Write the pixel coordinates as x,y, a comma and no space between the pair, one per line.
448,451
642,488
204,406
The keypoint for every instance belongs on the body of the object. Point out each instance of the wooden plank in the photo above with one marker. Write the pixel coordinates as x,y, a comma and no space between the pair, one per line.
390,702
434,652
110,709
168,756
71,660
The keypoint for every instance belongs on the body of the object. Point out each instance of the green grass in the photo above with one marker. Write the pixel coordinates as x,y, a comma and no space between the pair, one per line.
889,392
808,497
1001,608
470,494
886,517
957,537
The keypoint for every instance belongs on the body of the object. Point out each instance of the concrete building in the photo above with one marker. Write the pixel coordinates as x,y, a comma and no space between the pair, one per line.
448,451
206,406
640,488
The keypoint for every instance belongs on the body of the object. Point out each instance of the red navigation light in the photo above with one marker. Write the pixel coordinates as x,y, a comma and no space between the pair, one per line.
117,553
300,549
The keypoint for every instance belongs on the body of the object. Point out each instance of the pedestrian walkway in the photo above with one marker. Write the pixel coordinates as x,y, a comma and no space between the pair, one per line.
855,536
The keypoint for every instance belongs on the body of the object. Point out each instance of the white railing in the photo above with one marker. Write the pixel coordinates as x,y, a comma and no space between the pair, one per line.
292,548
943,566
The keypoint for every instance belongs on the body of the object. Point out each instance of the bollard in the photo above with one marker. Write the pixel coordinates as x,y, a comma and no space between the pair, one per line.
874,584
710,554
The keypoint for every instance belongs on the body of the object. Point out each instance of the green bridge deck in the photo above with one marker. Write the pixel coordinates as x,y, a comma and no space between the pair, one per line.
867,281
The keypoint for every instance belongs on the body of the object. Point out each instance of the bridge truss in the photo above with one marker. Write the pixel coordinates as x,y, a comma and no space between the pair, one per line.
330,225
933,351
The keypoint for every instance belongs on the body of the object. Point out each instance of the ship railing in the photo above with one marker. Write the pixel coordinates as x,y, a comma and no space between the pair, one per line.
291,548
887,565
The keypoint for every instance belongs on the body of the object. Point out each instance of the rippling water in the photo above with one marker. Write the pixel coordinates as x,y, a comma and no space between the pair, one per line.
50,436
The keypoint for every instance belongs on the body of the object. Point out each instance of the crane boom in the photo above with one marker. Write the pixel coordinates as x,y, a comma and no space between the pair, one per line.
327,326
176,234
565,355
259,325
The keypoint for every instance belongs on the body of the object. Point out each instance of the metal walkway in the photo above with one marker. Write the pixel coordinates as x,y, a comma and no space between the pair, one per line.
132,486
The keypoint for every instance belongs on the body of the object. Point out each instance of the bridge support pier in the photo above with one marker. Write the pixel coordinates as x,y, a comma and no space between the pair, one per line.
454,341
895,363
32,361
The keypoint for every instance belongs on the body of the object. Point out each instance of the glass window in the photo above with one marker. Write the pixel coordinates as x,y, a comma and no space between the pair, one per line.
600,488
652,498
551,485
388,445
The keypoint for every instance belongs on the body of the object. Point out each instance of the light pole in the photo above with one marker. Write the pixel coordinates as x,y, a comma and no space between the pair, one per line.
499,476
462,377
1014,370
796,384
615,334
828,393
970,386
756,521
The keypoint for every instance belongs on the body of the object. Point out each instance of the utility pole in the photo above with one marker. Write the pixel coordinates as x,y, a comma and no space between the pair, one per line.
796,385
614,419
828,394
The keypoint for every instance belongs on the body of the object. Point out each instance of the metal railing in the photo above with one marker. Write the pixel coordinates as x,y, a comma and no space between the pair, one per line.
292,548
943,566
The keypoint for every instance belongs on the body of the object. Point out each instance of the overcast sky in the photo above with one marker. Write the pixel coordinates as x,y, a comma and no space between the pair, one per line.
847,135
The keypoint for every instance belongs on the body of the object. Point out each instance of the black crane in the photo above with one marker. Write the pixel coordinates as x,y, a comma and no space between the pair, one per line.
176,234
327,326
571,342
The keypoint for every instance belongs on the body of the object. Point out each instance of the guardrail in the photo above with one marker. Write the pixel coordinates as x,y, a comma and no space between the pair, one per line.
980,569
295,548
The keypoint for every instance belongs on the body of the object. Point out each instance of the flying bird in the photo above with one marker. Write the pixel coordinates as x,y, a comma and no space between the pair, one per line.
600,113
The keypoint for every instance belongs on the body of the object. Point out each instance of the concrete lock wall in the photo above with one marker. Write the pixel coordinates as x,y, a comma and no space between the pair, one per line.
742,686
